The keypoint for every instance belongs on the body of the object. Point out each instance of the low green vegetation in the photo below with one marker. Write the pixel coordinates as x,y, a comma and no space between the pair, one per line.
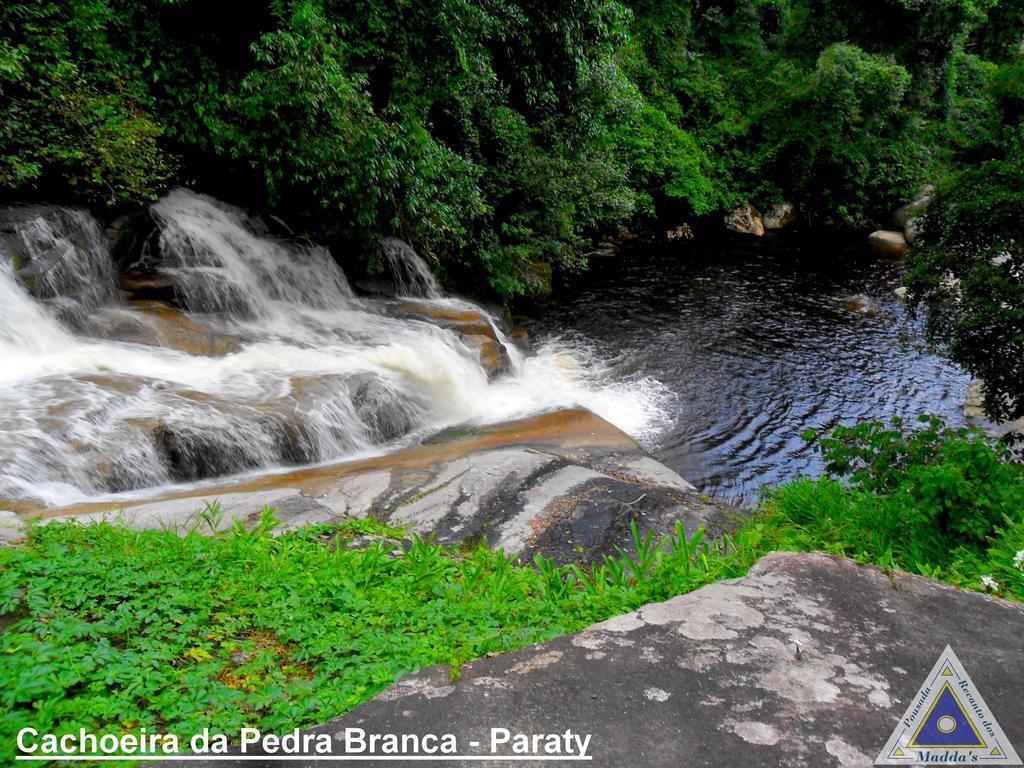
109,628
942,502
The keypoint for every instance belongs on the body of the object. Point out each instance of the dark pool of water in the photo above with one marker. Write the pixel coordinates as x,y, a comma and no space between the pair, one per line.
758,339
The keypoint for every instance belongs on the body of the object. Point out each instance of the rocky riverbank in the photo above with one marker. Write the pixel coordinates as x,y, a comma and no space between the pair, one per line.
566,484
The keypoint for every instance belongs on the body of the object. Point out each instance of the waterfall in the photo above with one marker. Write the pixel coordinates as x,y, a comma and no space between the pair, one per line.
223,260
410,273
60,256
26,327
267,359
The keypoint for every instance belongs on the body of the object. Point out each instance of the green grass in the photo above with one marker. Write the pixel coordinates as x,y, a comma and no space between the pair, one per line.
112,629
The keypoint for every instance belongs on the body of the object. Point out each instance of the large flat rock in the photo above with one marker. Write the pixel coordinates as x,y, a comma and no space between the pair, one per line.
567,484
712,678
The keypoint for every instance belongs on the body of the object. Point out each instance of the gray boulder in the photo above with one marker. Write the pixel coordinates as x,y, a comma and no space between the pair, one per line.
566,484
809,660
780,216
745,219
908,217
912,231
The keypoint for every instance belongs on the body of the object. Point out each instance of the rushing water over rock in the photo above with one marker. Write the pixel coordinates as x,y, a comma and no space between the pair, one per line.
60,257
26,327
410,273
263,357
222,260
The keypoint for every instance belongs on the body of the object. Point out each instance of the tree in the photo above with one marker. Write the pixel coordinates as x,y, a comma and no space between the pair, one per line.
970,275
840,139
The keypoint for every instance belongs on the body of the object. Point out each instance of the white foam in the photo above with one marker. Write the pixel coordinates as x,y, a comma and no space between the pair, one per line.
80,417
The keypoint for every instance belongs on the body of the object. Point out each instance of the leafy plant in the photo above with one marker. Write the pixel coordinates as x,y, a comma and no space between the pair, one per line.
950,486
110,628
930,499
970,274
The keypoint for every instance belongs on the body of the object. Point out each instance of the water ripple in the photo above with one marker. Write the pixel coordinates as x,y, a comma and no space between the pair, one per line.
756,340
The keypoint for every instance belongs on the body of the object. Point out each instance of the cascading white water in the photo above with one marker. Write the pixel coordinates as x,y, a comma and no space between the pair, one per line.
26,327
223,260
411,275
62,258
310,372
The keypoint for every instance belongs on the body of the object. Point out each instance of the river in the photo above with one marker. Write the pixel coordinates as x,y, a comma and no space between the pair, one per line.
755,340
233,349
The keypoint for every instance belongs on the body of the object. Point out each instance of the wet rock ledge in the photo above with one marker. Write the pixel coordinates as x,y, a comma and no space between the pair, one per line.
566,484
712,678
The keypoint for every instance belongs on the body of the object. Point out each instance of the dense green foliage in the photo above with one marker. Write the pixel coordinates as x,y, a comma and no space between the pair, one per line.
496,135
935,500
970,272
110,628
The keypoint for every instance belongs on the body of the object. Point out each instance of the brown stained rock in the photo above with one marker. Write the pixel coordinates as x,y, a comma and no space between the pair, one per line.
888,242
175,329
121,383
493,356
567,484
520,336
472,325
466,321
712,678
158,324
148,285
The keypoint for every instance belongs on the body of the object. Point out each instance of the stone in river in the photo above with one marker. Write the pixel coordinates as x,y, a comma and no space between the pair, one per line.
888,242
745,219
